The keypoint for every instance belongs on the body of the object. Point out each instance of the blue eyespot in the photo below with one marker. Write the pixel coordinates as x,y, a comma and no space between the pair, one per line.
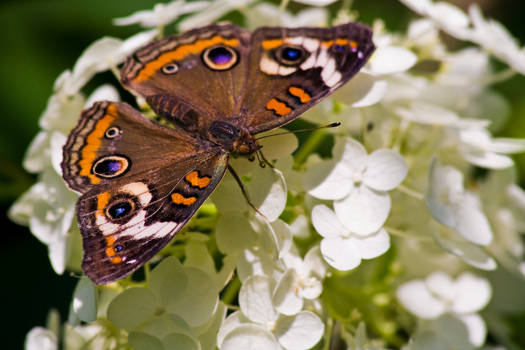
111,166
112,132
118,248
219,57
108,167
291,54
120,209
339,47
170,68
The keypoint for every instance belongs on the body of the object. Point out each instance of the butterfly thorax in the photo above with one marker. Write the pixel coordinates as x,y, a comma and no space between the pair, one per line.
232,138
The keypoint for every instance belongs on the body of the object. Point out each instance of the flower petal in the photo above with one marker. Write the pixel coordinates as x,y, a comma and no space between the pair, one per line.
132,307
335,179
234,233
250,337
363,90
417,299
168,281
466,251
231,322
253,262
199,305
489,160
471,223
326,222
372,246
364,211
180,341
477,330
285,295
144,341
391,60
472,294
386,169
40,338
299,332
340,253
441,285
445,189
255,299
84,303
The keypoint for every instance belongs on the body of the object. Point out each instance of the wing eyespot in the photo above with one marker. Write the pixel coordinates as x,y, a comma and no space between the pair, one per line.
170,68
120,209
220,57
111,166
290,55
112,132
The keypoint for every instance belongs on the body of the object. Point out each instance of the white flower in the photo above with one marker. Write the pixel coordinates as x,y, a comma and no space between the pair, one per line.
258,325
301,280
453,206
177,305
340,247
213,11
371,84
478,148
48,208
162,14
40,338
105,53
265,14
319,3
439,294
431,114
358,183
491,35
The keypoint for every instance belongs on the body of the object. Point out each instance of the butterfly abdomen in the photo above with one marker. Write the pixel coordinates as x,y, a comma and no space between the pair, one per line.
175,111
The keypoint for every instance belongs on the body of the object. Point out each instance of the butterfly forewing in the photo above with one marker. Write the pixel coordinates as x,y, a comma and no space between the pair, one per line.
204,70
292,69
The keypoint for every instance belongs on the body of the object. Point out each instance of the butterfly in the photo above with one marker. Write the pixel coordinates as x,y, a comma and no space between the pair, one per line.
218,86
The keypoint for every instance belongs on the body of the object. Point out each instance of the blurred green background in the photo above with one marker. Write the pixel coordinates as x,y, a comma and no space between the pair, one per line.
44,37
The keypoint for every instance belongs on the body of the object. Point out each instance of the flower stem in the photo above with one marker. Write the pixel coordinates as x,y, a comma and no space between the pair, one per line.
499,77
328,333
309,146
231,291
412,193
405,234
284,4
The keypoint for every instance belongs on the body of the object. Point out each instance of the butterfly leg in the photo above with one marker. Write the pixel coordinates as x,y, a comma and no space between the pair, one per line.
243,190
263,161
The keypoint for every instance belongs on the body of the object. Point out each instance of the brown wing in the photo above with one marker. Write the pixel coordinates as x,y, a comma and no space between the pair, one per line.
293,69
192,78
141,183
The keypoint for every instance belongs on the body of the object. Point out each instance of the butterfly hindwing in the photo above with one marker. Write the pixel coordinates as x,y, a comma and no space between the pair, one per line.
129,216
124,227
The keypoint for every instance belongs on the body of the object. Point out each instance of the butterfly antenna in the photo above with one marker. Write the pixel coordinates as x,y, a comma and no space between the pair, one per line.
332,125
243,190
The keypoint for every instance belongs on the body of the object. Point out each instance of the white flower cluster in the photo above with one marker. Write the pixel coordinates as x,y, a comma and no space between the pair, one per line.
361,239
